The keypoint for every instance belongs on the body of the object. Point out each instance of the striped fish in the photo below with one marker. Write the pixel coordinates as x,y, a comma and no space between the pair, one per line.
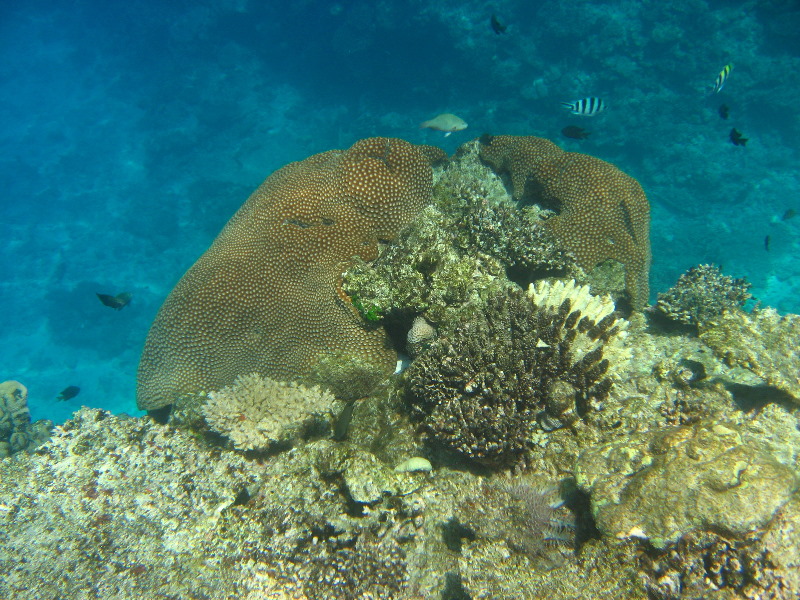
587,107
722,78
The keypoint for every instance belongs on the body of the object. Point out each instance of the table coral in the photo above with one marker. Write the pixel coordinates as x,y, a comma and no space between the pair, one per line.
265,297
603,213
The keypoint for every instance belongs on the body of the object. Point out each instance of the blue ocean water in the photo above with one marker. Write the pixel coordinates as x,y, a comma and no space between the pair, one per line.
131,132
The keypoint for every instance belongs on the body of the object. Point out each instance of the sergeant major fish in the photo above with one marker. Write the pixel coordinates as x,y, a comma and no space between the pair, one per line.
722,78
587,107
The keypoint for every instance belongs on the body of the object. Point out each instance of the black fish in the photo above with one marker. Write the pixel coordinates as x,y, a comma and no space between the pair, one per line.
68,393
766,243
117,302
737,139
790,212
575,132
497,26
723,111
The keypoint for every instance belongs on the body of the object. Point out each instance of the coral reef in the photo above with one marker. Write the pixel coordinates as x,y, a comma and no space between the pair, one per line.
665,483
702,293
257,411
461,249
265,296
480,388
529,516
602,212
709,566
420,336
124,501
763,342
17,433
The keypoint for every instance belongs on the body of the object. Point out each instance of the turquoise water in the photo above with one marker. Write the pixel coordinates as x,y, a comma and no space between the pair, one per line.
131,132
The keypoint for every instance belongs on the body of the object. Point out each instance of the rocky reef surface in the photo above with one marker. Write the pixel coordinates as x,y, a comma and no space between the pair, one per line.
546,441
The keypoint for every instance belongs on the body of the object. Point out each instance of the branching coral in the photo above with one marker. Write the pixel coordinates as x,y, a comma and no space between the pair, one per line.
701,294
480,388
256,411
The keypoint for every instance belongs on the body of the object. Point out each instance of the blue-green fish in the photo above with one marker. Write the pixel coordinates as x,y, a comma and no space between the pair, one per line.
722,78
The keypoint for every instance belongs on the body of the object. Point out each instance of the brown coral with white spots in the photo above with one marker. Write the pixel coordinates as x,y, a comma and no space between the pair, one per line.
603,213
265,297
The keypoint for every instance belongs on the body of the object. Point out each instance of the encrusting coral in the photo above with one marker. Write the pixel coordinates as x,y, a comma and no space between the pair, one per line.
602,212
265,297
256,411
480,389
701,294
763,342
17,433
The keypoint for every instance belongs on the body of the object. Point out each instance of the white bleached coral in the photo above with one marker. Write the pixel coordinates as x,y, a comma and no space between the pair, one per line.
256,411
598,325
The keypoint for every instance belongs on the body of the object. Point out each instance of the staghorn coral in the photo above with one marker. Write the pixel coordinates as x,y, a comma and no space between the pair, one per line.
265,296
602,212
701,294
256,411
480,388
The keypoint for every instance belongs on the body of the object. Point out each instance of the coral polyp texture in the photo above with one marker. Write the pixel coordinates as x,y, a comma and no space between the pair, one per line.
480,389
17,433
266,296
701,294
256,411
603,214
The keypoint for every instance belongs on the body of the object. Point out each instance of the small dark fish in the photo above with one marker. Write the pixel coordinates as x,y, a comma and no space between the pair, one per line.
497,26
766,243
737,139
790,212
117,302
575,132
587,107
68,393
723,111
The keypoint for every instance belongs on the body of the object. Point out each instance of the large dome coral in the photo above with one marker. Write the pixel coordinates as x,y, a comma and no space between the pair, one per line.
265,297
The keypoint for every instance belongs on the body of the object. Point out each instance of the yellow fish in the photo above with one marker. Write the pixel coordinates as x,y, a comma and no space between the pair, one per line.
722,78
445,122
